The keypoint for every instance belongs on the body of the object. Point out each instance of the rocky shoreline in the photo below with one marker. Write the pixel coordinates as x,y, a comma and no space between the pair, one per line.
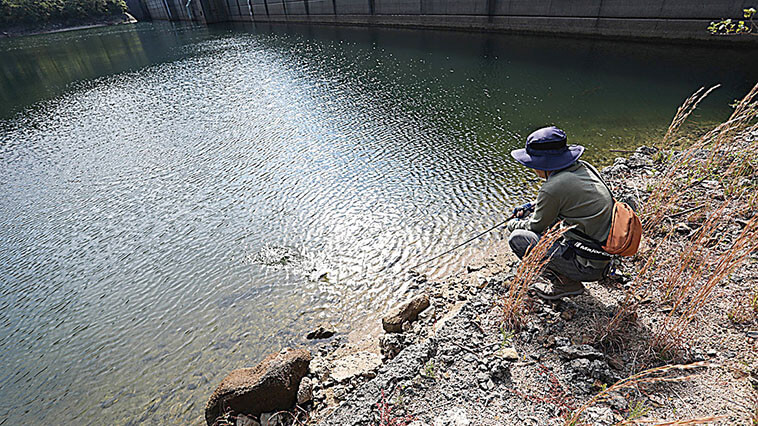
445,358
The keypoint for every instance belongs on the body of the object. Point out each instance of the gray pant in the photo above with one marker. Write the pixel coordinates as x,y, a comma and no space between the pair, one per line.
521,241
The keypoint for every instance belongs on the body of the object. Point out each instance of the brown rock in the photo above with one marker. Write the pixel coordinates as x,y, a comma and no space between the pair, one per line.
567,315
406,311
269,386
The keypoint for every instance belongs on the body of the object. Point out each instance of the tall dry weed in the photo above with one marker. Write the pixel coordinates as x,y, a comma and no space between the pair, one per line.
514,302
685,273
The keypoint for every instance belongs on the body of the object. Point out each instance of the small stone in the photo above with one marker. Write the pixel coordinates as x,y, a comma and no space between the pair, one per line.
600,370
600,416
579,351
320,332
452,417
507,353
580,365
391,344
319,368
487,385
270,419
426,313
567,315
243,420
305,391
712,352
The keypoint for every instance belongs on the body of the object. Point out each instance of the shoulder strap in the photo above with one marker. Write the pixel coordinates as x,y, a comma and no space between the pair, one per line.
594,172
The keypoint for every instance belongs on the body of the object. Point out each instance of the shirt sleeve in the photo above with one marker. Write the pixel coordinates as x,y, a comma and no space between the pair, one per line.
545,214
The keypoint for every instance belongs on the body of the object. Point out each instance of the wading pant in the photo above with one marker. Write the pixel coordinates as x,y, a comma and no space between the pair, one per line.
562,259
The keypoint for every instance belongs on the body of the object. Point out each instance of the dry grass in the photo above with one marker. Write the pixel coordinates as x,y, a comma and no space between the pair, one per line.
685,169
712,269
683,272
514,303
695,421
653,375
684,111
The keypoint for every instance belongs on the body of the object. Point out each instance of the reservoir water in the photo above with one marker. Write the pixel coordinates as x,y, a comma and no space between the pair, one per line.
176,201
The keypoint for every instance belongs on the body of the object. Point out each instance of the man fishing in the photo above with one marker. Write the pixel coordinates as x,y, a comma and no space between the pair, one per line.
572,192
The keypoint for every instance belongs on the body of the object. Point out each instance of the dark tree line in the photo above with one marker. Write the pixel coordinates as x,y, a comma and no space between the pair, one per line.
14,12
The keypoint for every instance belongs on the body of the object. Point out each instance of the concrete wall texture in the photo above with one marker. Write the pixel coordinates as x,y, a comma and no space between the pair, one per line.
667,19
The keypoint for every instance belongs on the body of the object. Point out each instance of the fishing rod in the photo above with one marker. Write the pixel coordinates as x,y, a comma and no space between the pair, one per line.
466,242
517,212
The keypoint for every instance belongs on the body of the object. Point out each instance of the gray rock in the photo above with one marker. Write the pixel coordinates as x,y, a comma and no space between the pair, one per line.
600,416
580,366
406,311
319,368
305,391
578,351
502,371
600,370
243,420
487,385
616,170
617,401
398,372
452,417
646,150
271,419
269,386
391,344
360,364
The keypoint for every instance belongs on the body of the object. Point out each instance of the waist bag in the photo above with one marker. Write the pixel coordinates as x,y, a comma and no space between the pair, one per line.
626,228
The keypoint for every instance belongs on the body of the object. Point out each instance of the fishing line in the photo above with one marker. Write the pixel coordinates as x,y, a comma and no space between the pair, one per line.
466,242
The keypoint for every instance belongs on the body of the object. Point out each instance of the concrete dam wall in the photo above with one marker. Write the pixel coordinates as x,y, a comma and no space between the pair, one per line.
665,19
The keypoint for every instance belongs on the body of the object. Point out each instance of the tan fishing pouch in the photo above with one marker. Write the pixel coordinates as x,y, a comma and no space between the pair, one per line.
626,231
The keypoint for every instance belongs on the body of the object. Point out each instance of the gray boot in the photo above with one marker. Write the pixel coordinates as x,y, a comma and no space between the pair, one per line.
556,286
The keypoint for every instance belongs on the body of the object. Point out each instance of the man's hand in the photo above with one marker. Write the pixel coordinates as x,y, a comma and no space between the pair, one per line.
511,224
523,211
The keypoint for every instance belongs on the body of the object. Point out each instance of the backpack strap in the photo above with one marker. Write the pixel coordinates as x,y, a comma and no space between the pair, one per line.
595,172
613,201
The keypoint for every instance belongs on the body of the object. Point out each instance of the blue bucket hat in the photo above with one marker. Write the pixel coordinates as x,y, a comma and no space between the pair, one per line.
546,149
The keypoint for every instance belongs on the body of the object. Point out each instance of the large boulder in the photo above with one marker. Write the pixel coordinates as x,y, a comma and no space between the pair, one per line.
269,386
406,311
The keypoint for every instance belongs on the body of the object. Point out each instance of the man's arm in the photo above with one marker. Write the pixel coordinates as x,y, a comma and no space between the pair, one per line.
545,213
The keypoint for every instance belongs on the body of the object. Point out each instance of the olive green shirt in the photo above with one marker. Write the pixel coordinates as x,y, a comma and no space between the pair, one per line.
577,196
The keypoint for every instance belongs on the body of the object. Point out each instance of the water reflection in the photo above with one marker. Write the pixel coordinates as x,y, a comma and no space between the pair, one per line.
176,201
